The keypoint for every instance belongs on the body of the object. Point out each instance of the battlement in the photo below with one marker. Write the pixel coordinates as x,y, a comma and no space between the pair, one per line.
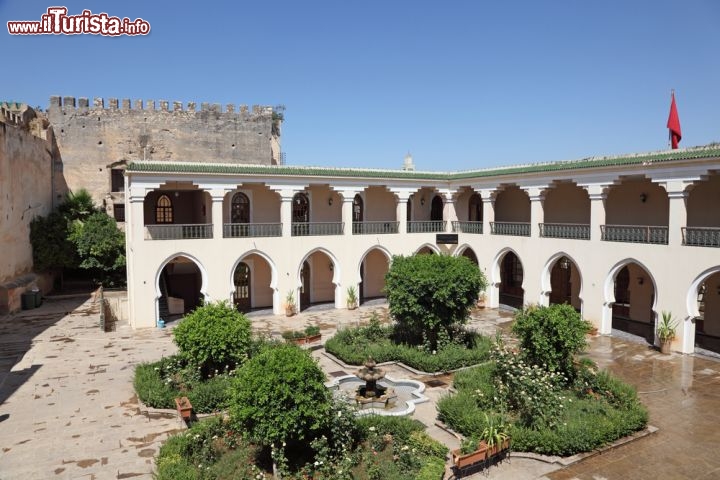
17,114
82,105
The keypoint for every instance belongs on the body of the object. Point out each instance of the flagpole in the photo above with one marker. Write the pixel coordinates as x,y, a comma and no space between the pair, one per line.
669,145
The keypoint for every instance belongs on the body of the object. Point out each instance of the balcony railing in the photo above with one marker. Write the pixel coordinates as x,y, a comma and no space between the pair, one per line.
426,226
519,229
575,231
233,230
467,227
635,234
365,228
180,231
701,236
317,228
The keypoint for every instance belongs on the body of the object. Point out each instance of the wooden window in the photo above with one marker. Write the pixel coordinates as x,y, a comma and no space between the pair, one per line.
164,210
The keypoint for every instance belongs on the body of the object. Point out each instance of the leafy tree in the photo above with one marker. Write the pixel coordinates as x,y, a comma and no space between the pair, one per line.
100,246
279,396
551,336
77,206
52,250
213,337
432,294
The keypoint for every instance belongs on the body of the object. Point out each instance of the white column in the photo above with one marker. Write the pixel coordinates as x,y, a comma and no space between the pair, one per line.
286,213
134,233
677,194
348,196
488,199
402,194
449,208
217,212
537,214
597,195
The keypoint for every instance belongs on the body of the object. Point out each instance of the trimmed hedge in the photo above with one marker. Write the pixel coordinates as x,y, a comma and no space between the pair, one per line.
354,345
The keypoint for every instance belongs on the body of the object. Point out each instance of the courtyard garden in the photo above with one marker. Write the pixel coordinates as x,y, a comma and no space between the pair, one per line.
275,418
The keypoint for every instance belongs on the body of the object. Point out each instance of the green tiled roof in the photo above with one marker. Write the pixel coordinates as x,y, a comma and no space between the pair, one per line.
709,151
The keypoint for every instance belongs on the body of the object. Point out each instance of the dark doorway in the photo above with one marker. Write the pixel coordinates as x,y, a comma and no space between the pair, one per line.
560,282
475,210
634,297
470,254
240,208
242,287
305,287
511,278
436,209
357,209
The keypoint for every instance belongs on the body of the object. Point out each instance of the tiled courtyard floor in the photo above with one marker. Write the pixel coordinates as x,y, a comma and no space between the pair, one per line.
67,407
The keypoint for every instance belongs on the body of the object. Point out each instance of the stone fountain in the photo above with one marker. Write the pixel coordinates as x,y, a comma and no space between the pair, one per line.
372,392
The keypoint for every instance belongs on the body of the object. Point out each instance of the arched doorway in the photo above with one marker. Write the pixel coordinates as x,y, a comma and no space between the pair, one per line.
358,209
373,269
470,255
300,214
436,209
240,208
565,283
179,284
707,324
241,279
316,278
511,279
632,309
305,280
425,250
475,208
253,283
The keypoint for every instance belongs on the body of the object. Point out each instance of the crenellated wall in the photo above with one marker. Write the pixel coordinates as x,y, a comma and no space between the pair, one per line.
93,138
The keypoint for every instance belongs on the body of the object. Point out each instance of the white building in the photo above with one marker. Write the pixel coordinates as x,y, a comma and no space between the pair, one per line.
620,238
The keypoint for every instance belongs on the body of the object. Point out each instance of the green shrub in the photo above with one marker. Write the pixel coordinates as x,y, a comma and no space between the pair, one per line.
354,345
461,412
551,336
429,294
180,455
424,445
211,395
214,337
534,394
433,469
399,427
279,396
157,384
151,389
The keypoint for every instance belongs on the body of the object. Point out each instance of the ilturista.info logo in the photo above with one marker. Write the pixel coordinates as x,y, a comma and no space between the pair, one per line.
57,22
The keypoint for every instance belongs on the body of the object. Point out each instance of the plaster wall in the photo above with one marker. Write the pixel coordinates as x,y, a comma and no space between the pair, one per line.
25,193
566,203
512,205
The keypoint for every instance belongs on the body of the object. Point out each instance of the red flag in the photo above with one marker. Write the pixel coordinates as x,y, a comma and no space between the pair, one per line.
673,124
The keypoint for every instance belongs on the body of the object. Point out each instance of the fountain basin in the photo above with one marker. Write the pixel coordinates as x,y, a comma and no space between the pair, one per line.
404,395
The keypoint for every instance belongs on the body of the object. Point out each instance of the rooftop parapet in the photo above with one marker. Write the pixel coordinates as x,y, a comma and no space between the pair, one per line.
82,105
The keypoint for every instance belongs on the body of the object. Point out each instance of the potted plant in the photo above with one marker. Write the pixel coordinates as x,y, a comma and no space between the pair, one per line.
184,407
666,331
352,301
312,333
482,297
471,452
290,303
301,337
495,435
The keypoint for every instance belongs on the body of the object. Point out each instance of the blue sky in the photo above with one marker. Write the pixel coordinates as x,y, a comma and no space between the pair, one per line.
459,84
